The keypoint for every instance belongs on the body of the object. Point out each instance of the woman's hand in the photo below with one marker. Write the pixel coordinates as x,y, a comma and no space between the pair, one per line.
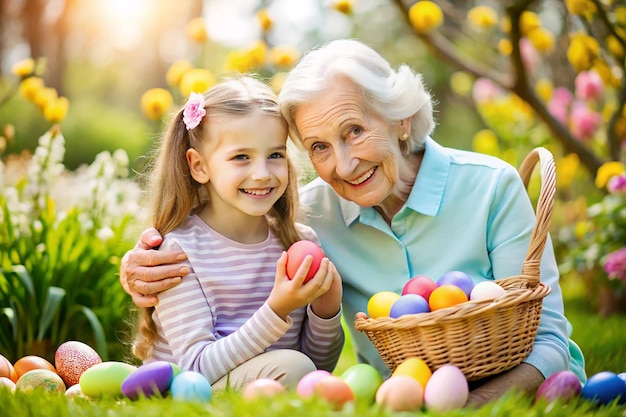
145,272
288,295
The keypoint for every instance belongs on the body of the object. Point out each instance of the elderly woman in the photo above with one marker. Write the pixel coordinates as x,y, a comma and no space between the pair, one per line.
390,203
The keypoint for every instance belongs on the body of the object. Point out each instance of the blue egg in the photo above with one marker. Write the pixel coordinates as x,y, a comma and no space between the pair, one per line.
409,304
458,278
191,386
604,387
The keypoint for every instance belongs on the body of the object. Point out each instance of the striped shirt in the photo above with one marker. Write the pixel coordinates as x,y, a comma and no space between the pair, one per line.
218,317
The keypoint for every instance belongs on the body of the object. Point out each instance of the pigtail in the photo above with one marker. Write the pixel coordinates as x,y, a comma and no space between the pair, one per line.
282,218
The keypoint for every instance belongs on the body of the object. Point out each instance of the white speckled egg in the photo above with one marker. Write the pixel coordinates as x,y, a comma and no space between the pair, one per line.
446,390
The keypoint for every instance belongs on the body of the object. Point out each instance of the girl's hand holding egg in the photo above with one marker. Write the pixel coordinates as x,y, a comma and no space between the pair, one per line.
296,254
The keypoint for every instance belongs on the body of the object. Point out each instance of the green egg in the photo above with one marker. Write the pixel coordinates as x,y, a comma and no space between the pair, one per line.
105,379
364,380
40,378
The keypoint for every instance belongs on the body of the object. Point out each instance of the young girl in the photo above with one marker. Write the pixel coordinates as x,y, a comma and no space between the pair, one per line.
224,192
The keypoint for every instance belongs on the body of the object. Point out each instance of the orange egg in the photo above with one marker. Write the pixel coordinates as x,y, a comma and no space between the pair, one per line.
30,362
446,296
7,370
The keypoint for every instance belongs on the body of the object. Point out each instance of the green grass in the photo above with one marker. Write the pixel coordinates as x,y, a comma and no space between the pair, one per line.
602,339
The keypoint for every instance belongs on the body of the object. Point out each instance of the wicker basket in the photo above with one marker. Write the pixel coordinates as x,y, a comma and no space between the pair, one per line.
482,338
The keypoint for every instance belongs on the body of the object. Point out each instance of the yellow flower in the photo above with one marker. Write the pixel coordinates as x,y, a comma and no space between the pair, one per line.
196,30
482,17
30,86
264,19
343,6
582,52
24,68
44,96
607,171
544,88
615,47
605,73
580,229
505,24
505,47
283,56
485,141
176,71
461,83
277,81
529,21
584,8
620,15
620,127
155,102
246,59
425,16
567,168
196,80
56,110
542,39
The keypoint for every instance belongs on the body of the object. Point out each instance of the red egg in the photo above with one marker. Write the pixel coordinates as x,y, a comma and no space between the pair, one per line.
72,359
420,285
30,362
335,391
296,254
7,370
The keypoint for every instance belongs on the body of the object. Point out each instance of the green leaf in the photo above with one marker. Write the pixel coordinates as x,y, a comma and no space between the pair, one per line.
25,278
51,308
98,332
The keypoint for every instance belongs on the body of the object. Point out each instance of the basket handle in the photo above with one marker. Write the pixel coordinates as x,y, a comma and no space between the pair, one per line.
531,265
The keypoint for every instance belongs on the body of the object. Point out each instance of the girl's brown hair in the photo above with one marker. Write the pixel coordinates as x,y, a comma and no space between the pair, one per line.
175,195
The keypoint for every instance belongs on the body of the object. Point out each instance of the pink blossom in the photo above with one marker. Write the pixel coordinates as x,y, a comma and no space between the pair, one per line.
589,86
617,184
584,122
559,104
194,110
528,53
615,264
485,90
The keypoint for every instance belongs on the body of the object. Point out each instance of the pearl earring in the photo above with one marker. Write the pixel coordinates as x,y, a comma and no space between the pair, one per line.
405,136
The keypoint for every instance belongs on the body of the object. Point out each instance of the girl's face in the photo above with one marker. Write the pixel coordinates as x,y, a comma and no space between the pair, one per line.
243,163
355,151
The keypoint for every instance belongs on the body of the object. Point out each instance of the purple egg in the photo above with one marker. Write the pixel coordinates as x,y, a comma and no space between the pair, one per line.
563,385
153,378
409,304
604,387
458,278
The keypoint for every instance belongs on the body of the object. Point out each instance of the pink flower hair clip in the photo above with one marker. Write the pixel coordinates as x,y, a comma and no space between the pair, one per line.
194,110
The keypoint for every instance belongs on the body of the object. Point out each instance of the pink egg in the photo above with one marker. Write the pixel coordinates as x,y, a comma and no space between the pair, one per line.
562,385
306,385
334,391
73,358
296,254
263,387
6,382
446,390
420,285
400,393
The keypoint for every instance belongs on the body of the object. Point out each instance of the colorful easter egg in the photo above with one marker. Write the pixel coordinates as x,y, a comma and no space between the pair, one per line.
458,278
379,304
364,380
408,304
72,358
486,290
7,370
74,392
446,390
306,385
7,382
400,393
153,378
416,368
562,385
296,254
420,285
604,387
446,296
30,362
105,379
263,387
334,391
191,386
41,379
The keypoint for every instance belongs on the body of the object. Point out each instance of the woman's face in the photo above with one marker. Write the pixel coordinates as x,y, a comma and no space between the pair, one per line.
352,149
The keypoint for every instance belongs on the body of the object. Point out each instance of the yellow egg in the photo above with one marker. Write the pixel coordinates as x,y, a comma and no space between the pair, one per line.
380,303
415,368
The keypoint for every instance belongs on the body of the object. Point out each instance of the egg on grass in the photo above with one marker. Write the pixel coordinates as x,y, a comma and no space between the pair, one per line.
400,393
72,358
446,390
364,380
7,370
191,386
334,391
306,384
30,362
262,387
41,379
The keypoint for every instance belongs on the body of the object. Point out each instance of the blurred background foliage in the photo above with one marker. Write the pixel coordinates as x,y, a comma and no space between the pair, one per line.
505,76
